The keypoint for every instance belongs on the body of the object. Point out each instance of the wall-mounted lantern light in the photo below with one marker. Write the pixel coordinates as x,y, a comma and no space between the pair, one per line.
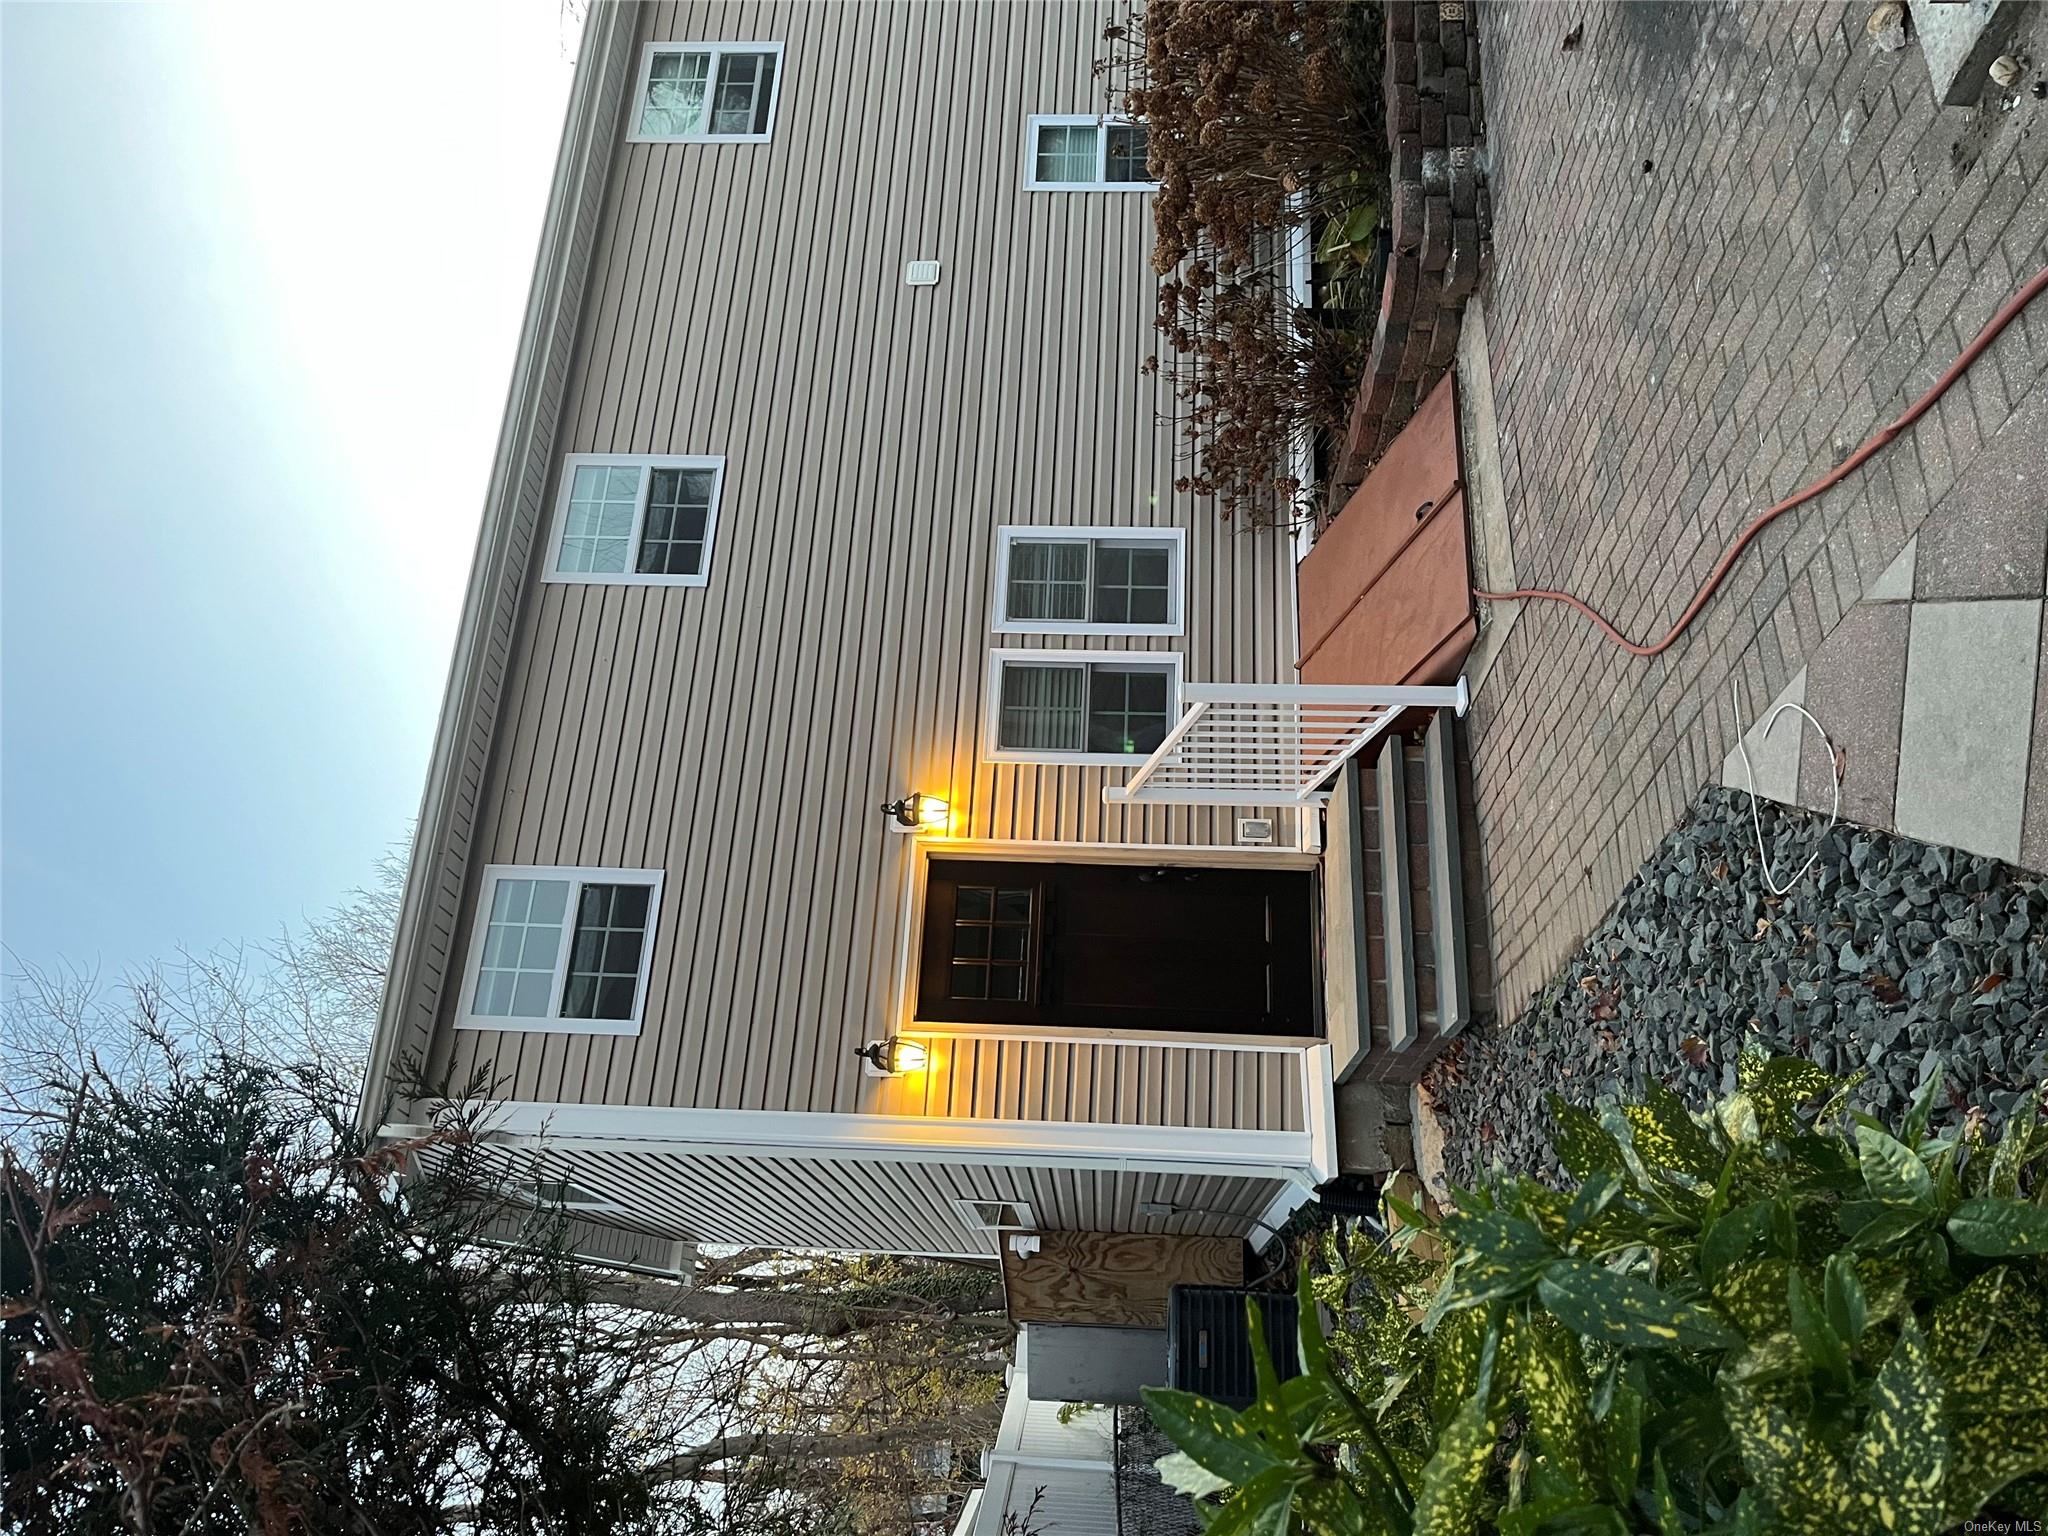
893,1057
917,812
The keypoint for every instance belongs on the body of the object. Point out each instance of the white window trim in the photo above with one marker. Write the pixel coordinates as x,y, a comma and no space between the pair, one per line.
1101,183
717,50
991,719
647,463
1009,534
578,876
971,1219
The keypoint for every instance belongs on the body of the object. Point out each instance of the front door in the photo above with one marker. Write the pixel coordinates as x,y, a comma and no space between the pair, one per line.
1118,946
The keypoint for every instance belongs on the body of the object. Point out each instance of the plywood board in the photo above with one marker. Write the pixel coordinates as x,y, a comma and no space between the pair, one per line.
1386,594
1113,1277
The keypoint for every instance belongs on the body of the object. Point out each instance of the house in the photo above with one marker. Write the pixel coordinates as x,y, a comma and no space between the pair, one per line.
872,810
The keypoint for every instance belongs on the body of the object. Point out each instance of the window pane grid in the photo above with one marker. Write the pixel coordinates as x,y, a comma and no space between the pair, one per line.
711,92
732,110
675,95
678,515
604,960
1042,707
1126,709
1066,152
1124,153
1049,580
599,523
1120,710
1093,577
522,941
1132,584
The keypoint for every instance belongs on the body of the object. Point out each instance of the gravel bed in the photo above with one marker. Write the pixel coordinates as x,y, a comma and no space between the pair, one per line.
1889,955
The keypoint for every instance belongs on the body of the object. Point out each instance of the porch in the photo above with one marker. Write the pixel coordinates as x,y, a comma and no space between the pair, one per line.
1368,749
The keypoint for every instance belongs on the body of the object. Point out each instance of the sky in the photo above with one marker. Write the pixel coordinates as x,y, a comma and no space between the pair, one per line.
262,269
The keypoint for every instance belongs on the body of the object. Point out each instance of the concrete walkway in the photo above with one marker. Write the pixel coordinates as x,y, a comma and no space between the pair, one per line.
1731,242
1931,686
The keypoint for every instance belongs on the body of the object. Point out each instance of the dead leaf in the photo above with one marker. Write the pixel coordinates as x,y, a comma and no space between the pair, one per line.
1884,988
1695,1051
1841,764
1991,983
1573,38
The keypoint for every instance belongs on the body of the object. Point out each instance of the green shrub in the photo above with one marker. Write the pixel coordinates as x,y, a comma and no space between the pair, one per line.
1768,1318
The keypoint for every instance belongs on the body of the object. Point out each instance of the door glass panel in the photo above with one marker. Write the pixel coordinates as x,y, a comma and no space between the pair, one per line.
992,943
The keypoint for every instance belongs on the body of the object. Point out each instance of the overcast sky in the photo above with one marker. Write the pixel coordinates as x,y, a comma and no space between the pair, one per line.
261,274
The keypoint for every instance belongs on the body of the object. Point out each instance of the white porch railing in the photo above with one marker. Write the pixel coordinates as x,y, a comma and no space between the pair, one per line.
1269,743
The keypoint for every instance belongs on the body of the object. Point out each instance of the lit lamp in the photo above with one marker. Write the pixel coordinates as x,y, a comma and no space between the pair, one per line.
892,1057
916,812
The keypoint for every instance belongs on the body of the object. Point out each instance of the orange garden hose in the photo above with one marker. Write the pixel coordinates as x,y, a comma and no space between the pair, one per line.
1878,442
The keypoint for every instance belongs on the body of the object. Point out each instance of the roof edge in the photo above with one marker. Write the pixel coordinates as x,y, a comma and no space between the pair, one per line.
525,443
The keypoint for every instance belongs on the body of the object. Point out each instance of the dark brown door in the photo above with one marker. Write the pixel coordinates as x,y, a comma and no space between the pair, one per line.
1118,946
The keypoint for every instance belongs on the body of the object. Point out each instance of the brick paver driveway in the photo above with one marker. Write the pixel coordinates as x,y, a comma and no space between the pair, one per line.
1729,243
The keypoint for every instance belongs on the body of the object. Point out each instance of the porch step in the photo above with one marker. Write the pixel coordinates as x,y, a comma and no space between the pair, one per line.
1406,962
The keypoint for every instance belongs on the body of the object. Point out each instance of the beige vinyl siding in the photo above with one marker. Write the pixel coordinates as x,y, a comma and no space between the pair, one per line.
884,1205
747,300
1015,1075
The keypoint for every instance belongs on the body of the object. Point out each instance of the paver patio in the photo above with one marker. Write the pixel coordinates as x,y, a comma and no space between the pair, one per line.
1729,244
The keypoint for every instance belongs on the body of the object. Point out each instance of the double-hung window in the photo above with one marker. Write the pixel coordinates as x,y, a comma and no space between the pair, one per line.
1085,153
723,92
624,518
562,949
1088,581
1109,707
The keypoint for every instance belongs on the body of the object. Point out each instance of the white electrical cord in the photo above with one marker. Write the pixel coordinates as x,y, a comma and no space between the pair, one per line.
1749,773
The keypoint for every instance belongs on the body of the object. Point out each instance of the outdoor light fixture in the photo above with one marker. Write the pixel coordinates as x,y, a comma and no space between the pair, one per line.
892,1057
917,811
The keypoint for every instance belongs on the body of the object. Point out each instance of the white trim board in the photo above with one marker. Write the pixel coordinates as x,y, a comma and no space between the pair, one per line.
1303,1156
